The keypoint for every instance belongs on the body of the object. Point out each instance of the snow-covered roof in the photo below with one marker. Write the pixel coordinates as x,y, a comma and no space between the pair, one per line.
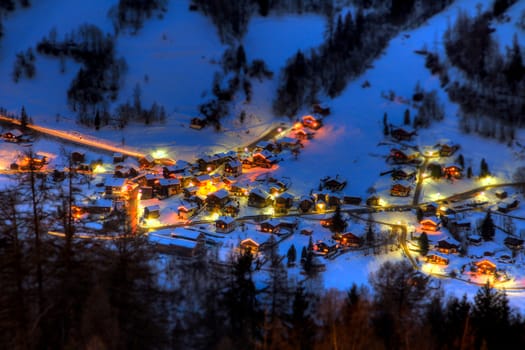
114,181
221,194
226,219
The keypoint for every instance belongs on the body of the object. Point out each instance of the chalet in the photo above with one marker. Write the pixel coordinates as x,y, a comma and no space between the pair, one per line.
333,183
152,212
146,192
459,227
178,168
398,156
445,247
404,173
147,162
400,134
430,151
97,207
428,225
263,159
125,171
169,187
233,168
508,204
321,248
118,158
224,224
348,239
215,178
485,267
311,122
270,226
178,245
259,198
334,201
453,172
264,146
327,222
513,243
474,239
231,209
250,246
197,123
307,231
114,186
429,209
400,189
289,143
239,190
190,191
283,203
152,180
202,180
217,200
436,259
187,210
287,225
447,150
14,135
305,204
303,134
320,206
352,200
373,201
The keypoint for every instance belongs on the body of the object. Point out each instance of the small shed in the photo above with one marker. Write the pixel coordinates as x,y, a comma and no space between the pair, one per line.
152,212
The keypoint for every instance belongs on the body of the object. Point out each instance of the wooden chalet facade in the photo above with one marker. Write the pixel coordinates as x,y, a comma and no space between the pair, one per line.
453,172
147,162
404,173
263,159
259,198
348,239
428,225
169,187
400,189
447,150
115,187
186,211
311,122
152,212
334,184
233,168
225,224
231,209
248,245
429,209
283,203
485,267
305,204
269,226
217,200
445,247
436,259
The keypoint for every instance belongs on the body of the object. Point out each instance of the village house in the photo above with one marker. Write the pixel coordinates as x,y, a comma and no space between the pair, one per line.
428,225
231,208
146,192
334,201
453,172
178,168
288,143
404,173
321,248
311,122
190,191
513,243
13,135
447,150
115,187
217,200
197,123
264,146
485,267
190,245
239,189
287,225
303,134
263,159
233,168
400,189
348,239
508,204
429,209
125,171
259,198
459,227
118,157
436,259
270,226
147,162
283,203
249,245
152,212
98,207
400,134
169,187
501,194
224,224
334,184
187,210
202,180
305,204
373,201
446,247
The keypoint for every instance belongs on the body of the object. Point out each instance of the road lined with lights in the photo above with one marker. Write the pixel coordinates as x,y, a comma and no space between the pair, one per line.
75,138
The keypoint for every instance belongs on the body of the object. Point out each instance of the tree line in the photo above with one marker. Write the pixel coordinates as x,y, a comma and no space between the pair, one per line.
352,42
131,14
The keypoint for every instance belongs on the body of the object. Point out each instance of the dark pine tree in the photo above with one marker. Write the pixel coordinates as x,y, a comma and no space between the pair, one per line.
338,223
423,244
488,230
